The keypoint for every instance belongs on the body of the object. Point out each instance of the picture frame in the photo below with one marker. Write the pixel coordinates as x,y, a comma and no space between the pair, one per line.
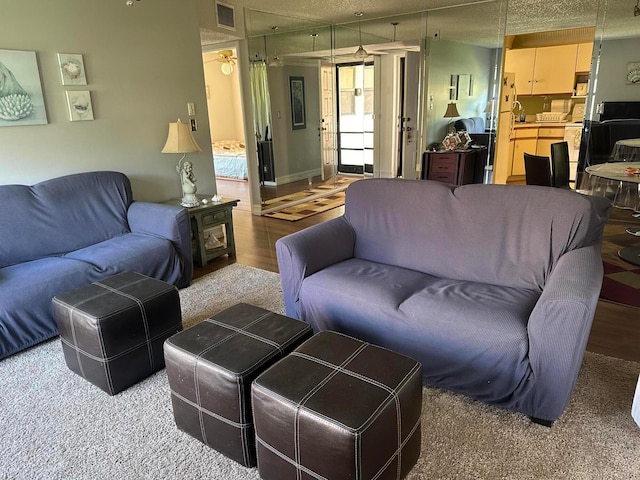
72,71
79,105
21,98
298,107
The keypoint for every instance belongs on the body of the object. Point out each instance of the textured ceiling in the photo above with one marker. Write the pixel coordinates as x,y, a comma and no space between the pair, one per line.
523,16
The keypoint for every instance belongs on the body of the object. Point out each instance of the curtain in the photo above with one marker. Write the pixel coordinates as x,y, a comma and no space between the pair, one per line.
262,104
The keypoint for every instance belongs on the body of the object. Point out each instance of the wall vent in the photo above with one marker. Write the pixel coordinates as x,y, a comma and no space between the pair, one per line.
226,16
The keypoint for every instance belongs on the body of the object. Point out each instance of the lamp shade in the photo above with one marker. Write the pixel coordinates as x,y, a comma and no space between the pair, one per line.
180,140
452,111
361,53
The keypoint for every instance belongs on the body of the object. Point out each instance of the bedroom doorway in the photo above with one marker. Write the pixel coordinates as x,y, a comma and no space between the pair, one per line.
226,121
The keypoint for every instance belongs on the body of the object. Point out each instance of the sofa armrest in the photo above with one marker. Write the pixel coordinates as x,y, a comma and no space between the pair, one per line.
165,221
559,328
308,251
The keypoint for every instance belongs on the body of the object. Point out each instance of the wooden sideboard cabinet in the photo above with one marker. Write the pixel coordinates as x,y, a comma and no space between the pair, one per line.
457,167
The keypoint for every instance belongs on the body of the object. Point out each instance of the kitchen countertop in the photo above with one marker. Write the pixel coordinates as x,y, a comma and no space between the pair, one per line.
539,124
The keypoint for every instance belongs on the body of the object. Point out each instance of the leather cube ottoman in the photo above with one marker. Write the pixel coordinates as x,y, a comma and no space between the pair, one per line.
112,331
338,408
211,365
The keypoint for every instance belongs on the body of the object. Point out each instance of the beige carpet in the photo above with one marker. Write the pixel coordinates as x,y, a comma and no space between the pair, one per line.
57,426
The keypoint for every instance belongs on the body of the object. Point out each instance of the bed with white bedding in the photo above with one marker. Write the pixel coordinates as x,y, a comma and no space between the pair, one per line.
230,159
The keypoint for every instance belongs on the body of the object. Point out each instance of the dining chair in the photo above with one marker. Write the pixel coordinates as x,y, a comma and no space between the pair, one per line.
537,170
560,165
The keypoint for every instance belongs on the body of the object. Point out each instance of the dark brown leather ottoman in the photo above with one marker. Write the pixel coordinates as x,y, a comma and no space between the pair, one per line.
112,331
211,366
338,408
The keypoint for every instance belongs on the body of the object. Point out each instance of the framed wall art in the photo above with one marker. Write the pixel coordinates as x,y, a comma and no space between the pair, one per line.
79,104
21,99
72,69
633,73
296,90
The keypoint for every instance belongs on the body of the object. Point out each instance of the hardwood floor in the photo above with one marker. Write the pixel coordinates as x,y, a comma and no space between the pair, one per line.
615,331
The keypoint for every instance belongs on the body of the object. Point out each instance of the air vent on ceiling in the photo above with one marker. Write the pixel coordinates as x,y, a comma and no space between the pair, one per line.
226,16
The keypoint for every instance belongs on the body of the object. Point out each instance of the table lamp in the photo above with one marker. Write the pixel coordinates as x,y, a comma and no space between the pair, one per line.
180,140
452,112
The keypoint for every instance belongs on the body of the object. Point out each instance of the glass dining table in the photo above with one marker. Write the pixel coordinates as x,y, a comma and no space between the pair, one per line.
620,183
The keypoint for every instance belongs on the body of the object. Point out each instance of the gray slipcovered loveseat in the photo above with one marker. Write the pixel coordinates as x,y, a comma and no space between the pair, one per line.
66,232
492,288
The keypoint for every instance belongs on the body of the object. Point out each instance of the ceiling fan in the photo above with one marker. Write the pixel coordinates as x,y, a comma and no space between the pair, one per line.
228,61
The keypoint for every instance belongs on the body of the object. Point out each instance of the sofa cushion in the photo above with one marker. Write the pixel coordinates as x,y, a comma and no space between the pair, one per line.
472,236
468,336
63,214
26,314
151,256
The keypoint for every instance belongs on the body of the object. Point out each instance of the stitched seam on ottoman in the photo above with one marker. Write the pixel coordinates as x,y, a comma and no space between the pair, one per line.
323,382
121,354
288,460
241,426
198,361
107,366
75,340
404,443
143,312
241,406
242,331
393,393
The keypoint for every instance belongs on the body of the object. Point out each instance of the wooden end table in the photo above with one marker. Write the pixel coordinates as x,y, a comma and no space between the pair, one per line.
209,215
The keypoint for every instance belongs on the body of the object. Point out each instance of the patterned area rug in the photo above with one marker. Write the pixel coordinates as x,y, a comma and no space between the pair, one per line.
621,283
306,209
332,196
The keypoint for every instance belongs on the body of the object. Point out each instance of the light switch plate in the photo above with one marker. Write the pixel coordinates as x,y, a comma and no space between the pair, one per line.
191,109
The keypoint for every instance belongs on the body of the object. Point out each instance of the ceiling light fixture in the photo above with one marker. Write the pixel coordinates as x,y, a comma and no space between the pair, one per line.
228,61
361,52
395,26
131,3
314,36
275,60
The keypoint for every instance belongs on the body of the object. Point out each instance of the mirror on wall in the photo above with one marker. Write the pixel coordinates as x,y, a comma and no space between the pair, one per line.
318,107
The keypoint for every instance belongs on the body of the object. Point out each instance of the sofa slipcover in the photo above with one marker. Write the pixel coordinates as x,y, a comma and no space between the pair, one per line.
492,288
63,233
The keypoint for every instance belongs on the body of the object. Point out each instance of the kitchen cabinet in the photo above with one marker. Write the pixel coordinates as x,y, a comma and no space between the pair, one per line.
544,70
583,59
530,138
547,136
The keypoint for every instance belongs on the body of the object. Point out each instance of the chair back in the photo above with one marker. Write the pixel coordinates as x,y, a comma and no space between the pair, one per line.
537,170
560,165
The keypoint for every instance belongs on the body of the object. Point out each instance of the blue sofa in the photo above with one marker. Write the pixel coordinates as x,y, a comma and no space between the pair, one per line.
492,288
66,232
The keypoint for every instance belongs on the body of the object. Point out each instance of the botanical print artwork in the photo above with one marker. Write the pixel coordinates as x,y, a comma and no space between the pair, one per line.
21,100
79,103
72,69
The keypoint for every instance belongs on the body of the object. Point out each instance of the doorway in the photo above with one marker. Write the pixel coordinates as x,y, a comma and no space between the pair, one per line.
355,83
226,122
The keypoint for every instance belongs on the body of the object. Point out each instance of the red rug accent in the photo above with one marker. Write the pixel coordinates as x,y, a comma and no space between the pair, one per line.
621,284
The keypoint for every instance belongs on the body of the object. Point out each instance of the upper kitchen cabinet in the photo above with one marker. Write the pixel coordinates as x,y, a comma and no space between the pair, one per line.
583,60
544,70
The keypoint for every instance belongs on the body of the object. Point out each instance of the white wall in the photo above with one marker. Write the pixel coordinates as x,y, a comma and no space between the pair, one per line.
224,105
452,58
144,63
612,82
296,152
